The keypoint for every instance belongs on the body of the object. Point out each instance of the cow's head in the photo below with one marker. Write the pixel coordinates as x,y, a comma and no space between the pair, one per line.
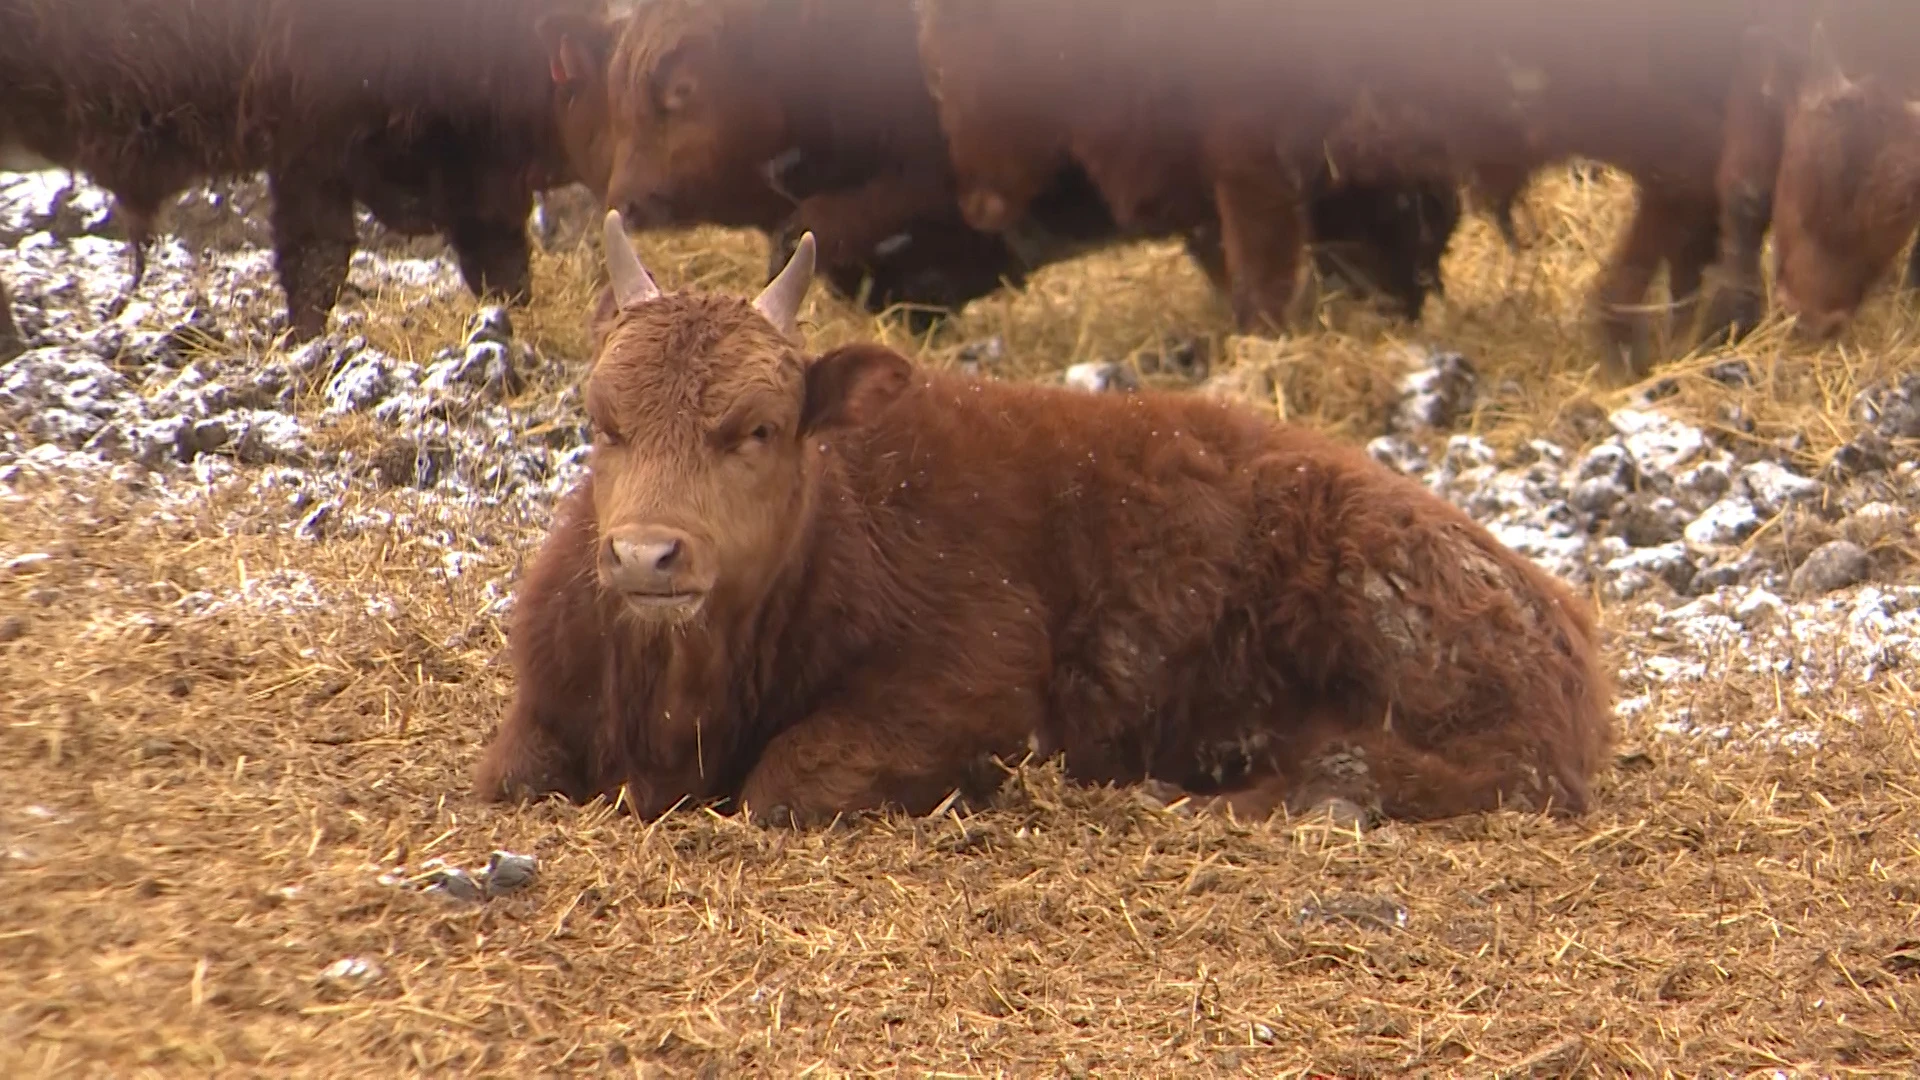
579,47
693,120
1848,192
996,103
706,451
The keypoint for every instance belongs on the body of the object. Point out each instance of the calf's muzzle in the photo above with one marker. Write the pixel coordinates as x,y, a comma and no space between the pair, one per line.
654,566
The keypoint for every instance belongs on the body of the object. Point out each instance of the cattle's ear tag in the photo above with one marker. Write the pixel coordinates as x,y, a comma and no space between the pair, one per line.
568,62
851,386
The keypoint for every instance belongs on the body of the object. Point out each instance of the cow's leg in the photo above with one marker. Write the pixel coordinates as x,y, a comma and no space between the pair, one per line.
1912,279
137,218
1410,629
1366,772
1204,248
1620,298
313,241
525,760
908,736
1692,247
1263,228
495,255
1752,141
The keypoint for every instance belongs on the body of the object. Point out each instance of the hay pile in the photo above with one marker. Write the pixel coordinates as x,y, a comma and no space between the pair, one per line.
244,670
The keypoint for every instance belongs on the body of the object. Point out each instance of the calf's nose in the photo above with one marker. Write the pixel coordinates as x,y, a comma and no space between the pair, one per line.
648,561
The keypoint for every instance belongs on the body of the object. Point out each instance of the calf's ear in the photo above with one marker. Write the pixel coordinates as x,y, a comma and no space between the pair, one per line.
578,45
852,385
601,321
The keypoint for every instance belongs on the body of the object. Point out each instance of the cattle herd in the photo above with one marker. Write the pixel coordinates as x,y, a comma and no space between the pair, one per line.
812,584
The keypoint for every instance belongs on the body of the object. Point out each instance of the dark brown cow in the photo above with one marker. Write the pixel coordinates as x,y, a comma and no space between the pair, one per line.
724,113
815,585
1242,99
142,96
437,114
1848,194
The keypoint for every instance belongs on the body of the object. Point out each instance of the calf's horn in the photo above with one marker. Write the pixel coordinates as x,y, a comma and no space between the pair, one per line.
631,282
780,300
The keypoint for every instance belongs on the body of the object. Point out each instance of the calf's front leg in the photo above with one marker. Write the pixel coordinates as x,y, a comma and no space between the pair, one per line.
903,739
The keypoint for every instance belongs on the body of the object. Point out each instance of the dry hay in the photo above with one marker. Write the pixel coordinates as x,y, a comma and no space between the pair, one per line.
197,812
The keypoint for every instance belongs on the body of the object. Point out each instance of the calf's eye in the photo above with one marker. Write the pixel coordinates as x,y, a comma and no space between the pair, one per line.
762,433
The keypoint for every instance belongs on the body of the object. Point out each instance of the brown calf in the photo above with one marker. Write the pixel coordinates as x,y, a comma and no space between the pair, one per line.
812,585
437,114
722,112
1244,99
1848,187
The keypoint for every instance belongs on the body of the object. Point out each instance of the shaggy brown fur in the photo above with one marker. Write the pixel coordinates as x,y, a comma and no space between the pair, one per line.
437,114
863,579
1245,98
723,112
1848,181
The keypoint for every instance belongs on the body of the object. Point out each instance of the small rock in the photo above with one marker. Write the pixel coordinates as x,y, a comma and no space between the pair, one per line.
978,357
1249,383
318,523
412,463
1773,486
1759,608
1704,484
1668,562
1645,523
1723,576
1399,454
12,628
1868,452
1369,912
1831,566
507,872
1596,497
1735,372
209,435
1191,358
1874,522
351,973
362,382
1262,1034
1728,521
454,882
1609,461
492,324
1437,394
1102,377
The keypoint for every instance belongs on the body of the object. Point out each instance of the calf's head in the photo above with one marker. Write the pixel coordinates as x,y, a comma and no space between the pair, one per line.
707,423
1848,192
